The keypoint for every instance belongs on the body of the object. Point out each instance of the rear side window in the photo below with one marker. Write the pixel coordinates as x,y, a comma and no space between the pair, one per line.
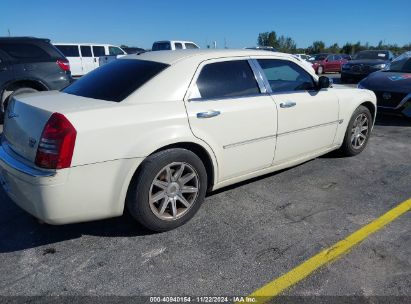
286,76
24,51
227,79
86,51
178,46
191,46
69,50
161,46
116,80
99,51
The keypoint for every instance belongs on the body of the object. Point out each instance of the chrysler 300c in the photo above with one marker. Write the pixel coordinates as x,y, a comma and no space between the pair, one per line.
154,132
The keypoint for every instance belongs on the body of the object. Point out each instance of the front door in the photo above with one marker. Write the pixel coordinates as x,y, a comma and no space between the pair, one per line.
227,110
307,118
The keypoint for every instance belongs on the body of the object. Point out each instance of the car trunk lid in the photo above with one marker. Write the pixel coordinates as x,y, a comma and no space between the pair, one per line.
28,114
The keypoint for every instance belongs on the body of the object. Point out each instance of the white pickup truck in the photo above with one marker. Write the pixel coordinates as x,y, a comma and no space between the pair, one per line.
164,45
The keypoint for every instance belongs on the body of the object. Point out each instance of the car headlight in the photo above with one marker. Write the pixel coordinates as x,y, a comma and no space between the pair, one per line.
379,66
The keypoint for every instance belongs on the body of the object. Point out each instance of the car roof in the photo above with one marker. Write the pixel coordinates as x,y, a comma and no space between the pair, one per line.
23,39
85,43
171,57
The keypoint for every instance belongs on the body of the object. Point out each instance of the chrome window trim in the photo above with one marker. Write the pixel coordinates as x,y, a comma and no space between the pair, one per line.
260,85
267,83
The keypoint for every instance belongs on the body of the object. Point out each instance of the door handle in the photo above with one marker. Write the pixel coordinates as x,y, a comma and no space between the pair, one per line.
288,104
208,114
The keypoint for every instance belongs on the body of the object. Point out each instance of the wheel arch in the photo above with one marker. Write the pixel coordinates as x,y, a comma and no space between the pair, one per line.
24,83
201,152
370,106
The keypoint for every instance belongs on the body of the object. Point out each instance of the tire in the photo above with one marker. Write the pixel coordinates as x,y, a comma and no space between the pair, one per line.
159,185
354,143
320,70
6,99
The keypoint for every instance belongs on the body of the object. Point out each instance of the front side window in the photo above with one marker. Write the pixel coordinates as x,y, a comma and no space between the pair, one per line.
286,76
178,46
116,80
227,79
86,51
69,50
99,51
112,50
191,46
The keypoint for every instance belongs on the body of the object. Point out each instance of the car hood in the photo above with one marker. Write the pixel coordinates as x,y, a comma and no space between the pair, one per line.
367,61
388,81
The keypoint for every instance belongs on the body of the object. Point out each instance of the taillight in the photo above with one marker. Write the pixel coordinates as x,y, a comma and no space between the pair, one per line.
63,64
56,146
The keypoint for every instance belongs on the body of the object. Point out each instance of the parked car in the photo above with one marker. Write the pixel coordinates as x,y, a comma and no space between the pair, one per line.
153,132
392,86
84,57
326,63
28,65
305,62
303,56
263,48
172,45
365,63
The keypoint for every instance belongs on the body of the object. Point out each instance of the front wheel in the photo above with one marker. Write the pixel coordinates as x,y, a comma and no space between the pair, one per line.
358,132
168,189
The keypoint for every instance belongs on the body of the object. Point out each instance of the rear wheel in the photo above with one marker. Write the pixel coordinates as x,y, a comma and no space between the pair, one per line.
358,132
168,189
7,95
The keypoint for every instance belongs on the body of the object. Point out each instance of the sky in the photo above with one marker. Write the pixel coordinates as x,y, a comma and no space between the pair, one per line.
235,24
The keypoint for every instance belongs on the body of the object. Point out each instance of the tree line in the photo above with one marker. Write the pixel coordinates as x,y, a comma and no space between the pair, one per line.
287,45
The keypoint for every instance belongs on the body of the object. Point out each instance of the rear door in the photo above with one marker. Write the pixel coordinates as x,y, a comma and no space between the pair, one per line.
307,118
87,58
98,50
72,53
229,110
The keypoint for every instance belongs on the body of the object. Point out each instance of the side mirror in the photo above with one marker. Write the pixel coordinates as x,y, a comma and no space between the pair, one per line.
324,82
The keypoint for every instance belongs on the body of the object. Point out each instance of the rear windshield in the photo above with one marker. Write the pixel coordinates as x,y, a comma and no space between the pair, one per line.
116,80
161,46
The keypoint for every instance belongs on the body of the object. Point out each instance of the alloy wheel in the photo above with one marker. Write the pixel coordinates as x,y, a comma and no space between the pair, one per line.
359,132
174,191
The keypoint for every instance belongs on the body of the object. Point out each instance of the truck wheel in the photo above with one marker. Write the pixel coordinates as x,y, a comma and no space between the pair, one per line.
358,132
168,190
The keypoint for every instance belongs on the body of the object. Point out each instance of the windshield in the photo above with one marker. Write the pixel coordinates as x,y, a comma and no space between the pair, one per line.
116,80
382,55
401,63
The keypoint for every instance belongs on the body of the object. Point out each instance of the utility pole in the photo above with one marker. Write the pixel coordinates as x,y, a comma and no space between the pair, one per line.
215,44
9,32
225,43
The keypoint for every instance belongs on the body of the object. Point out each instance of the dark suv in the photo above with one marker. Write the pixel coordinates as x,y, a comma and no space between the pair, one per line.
30,64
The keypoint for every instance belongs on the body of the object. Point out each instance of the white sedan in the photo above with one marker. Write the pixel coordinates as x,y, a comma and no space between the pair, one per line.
155,132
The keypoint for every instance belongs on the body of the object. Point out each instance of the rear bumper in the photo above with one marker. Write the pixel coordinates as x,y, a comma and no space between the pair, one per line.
71,195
